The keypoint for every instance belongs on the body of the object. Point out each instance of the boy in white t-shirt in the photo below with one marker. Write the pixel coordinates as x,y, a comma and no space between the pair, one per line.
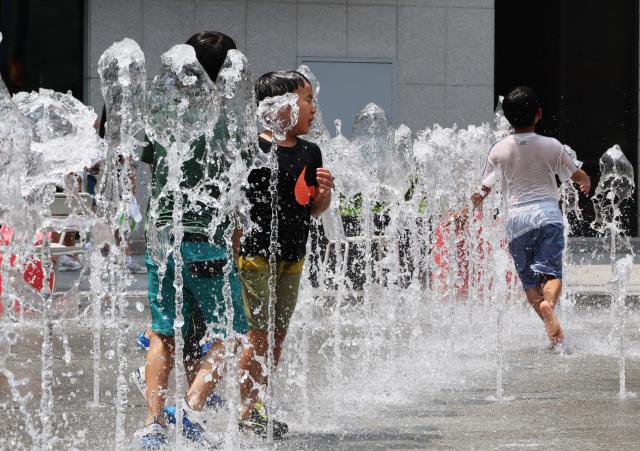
527,165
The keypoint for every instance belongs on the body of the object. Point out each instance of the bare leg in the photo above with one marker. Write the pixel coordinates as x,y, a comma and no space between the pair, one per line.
159,365
543,300
202,386
535,296
552,289
191,368
251,370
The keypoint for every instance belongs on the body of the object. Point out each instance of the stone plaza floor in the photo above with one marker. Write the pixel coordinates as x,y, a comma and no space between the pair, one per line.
420,395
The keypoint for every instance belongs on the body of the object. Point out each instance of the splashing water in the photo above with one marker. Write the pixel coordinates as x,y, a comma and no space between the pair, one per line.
63,137
182,107
387,317
123,75
15,153
619,288
318,133
616,185
123,82
278,114
240,154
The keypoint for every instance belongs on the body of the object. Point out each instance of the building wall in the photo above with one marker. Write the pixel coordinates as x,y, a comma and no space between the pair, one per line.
443,49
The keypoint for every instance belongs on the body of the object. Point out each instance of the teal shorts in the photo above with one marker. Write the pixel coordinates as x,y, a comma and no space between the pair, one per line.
203,283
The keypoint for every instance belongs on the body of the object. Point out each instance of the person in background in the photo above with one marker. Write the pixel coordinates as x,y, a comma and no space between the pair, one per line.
527,164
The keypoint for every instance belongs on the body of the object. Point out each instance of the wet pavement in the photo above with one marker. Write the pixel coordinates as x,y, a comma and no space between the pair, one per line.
426,384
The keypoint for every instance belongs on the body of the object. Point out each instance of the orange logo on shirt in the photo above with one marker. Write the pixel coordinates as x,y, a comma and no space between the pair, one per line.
302,191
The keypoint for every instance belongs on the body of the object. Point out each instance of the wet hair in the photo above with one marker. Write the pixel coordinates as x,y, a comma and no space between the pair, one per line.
520,107
274,84
211,50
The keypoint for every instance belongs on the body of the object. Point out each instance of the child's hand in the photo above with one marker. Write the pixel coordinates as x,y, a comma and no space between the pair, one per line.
583,180
325,181
585,187
476,199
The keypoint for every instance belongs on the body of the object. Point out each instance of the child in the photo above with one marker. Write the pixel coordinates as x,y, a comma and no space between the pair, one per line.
528,164
202,278
304,189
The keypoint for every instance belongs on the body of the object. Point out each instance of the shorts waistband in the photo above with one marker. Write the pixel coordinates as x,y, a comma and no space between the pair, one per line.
540,202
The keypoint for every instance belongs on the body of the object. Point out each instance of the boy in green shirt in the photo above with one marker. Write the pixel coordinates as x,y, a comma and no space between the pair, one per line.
202,274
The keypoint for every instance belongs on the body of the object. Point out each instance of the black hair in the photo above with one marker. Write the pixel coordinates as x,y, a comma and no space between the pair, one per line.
278,83
520,107
211,50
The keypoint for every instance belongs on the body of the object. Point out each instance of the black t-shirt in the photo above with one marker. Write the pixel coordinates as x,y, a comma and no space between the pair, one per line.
295,194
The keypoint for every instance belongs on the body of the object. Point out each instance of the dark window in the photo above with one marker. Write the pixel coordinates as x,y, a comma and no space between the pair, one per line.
42,45
582,60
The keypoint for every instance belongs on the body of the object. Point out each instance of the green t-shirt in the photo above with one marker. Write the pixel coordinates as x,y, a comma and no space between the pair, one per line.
197,174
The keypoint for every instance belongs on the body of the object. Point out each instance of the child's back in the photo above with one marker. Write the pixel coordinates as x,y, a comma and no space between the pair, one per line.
528,163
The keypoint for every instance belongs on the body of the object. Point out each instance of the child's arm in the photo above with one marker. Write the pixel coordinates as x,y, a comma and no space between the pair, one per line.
478,196
484,189
582,179
490,178
323,198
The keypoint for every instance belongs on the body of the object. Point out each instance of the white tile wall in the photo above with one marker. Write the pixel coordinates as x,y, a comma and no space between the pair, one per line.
372,31
271,36
443,49
322,30
110,22
372,2
226,17
94,97
421,45
470,54
490,4
420,106
165,24
469,104
442,3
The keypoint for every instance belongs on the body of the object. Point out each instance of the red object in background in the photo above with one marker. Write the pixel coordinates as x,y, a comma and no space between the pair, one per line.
441,255
465,277
32,271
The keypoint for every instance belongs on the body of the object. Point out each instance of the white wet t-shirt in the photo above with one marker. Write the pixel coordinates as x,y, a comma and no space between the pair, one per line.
527,165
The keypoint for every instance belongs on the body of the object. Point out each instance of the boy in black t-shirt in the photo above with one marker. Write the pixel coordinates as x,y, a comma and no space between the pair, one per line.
304,189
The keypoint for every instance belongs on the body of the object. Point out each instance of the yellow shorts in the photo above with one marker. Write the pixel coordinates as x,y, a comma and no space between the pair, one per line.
253,272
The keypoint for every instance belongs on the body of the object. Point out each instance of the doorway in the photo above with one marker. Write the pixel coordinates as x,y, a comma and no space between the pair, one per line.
582,60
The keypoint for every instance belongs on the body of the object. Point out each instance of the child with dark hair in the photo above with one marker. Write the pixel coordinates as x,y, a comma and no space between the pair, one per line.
304,189
528,164
204,258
